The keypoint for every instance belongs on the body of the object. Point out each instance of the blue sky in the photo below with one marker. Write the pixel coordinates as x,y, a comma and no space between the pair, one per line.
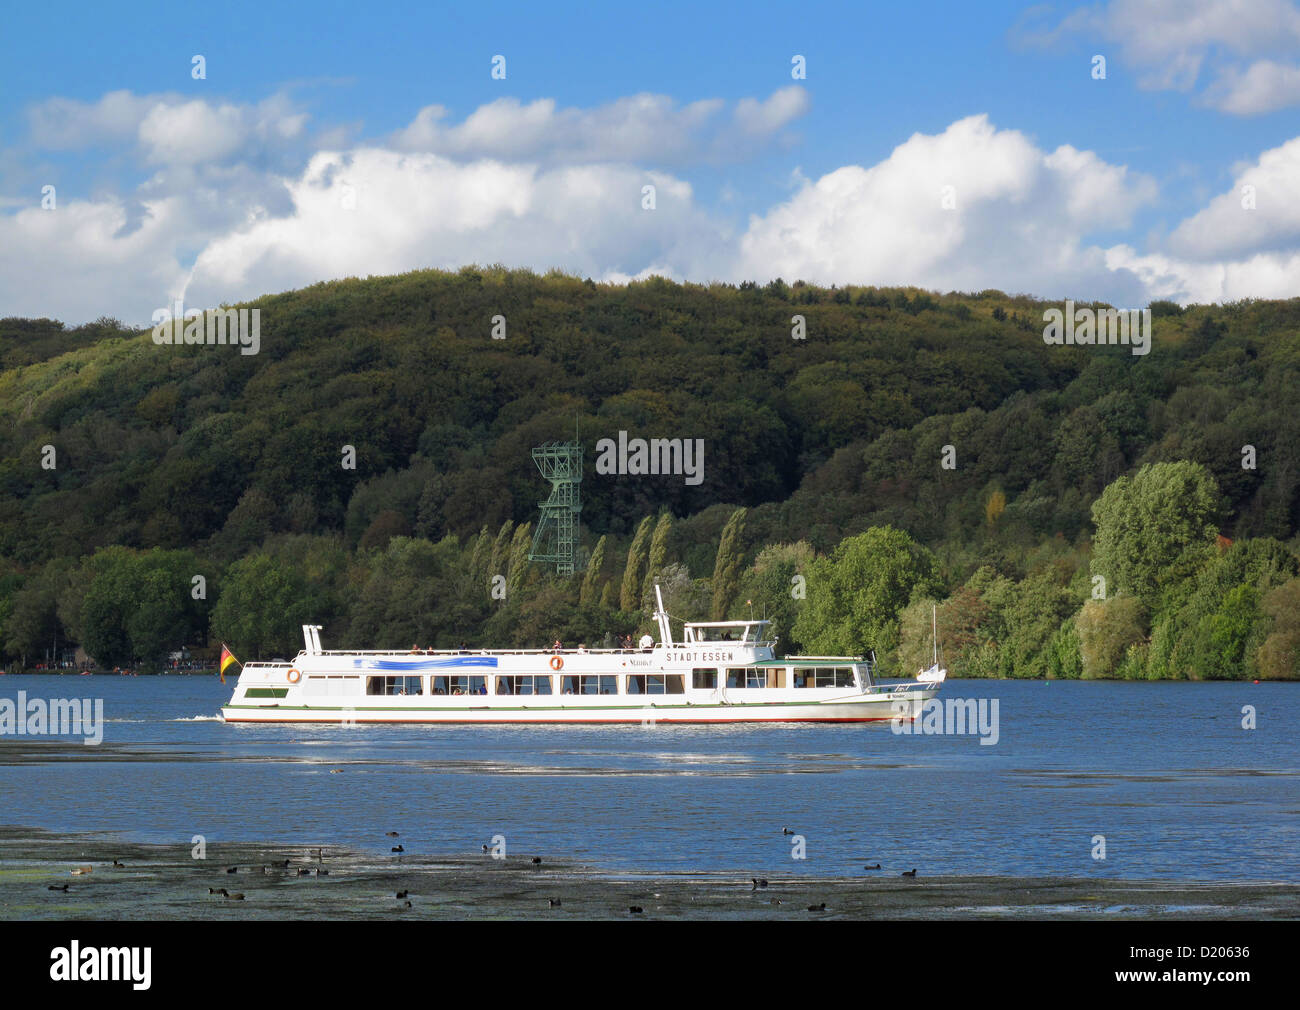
1126,188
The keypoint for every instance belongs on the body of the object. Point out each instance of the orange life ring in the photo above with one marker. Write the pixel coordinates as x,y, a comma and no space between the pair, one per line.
557,663
294,676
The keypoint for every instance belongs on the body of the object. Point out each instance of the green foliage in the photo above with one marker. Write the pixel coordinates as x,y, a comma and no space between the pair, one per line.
1155,530
855,596
233,459
727,566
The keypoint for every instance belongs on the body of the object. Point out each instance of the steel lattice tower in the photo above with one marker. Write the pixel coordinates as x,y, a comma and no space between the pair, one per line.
556,539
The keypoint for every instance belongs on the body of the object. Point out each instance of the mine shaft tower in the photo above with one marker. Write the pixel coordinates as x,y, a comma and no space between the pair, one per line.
556,539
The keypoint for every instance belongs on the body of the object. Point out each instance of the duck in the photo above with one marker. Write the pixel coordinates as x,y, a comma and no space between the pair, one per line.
237,896
635,909
555,902
876,867
232,869
909,873
57,887
118,865
786,831
758,882
393,834
537,860
401,894
398,848
817,908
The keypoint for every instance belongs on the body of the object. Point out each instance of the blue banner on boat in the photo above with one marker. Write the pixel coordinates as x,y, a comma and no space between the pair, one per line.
413,663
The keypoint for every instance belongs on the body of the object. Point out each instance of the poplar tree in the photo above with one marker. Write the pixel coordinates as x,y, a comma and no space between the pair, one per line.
591,580
658,552
726,570
630,599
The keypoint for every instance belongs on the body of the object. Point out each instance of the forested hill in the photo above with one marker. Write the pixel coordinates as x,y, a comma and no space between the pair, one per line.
231,464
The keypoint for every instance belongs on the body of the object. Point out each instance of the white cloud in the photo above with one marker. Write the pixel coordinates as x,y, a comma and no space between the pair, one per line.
644,128
1020,221
237,204
1174,44
375,211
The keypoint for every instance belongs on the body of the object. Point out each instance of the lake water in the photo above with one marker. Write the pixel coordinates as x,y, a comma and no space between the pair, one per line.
1165,772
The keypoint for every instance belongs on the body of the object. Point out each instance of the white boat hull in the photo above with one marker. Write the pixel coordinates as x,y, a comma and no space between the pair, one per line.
881,707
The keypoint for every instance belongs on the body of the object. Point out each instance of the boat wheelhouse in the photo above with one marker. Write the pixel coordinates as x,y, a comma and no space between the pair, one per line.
719,671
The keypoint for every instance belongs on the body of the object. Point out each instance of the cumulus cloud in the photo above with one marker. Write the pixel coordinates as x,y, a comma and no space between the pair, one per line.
970,208
239,201
641,128
376,211
166,128
1236,45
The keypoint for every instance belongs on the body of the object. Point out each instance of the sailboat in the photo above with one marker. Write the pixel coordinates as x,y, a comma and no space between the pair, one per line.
934,675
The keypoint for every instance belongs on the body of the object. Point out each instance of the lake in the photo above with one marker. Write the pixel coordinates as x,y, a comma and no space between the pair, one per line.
1165,772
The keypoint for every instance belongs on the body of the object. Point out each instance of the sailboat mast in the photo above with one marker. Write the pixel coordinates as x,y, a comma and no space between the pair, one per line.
934,622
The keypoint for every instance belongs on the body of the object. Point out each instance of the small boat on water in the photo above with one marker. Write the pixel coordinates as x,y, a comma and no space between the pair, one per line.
717,672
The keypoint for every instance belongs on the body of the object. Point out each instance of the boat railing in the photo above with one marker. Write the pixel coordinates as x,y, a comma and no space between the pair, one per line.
523,652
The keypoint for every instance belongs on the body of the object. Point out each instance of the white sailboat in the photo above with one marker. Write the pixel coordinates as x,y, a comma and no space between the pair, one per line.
934,675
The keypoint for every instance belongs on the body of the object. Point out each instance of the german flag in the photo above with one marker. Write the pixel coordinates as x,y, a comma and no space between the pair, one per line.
227,657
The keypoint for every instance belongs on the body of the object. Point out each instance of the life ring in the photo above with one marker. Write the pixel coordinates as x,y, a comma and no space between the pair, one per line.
557,663
294,676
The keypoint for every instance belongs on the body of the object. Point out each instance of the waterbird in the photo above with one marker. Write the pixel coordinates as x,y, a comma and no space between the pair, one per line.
909,873
485,848
635,909
393,834
817,908
214,890
398,848
786,831
237,896
82,870
758,882
401,894
537,860
876,867
321,872
232,869
119,866
775,901
407,905
555,902
304,872
56,887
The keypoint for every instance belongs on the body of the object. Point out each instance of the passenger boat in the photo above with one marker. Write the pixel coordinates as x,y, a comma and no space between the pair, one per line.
718,672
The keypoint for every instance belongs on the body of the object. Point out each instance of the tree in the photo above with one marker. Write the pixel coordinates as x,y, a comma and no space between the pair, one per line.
726,569
590,592
262,605
636,557
1154,530
658,551
856,594
1106,629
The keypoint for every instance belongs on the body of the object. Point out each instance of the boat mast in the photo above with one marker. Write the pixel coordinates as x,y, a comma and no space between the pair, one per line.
934,621
665,629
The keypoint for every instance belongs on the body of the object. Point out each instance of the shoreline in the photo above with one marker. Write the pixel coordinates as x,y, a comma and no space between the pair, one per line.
166,882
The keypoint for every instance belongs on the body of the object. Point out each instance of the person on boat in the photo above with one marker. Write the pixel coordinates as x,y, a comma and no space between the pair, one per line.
582,646
558,646
482,689
415,648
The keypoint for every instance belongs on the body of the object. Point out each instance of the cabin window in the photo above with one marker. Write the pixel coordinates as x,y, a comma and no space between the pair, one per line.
743,676
459,685
588,684
394,685
824,676
655,683
704,679
524,684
